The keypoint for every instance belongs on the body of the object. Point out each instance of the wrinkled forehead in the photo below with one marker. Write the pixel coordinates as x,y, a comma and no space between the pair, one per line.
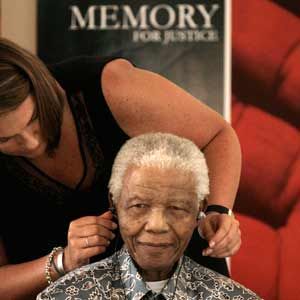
164,185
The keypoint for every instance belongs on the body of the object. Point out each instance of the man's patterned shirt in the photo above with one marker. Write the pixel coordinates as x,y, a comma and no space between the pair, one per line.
117,278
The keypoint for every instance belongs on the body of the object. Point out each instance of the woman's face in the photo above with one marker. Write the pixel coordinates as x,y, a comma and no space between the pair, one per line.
20,133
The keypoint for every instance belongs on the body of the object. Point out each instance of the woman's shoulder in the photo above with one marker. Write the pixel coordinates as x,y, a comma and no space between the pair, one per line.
117,71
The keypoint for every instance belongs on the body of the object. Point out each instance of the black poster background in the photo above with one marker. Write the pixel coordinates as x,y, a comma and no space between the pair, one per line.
195,64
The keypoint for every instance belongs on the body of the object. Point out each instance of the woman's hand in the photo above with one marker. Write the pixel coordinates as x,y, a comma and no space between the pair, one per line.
222,233
87,237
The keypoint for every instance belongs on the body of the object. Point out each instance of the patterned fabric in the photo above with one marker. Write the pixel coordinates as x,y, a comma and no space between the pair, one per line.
117,278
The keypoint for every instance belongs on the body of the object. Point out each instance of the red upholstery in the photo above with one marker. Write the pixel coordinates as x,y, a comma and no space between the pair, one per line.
255,262
289,264
266,57
266,116
270,148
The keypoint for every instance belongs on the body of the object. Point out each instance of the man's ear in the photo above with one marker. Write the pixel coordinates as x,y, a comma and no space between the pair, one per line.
112,207
110,200
201,210
203,205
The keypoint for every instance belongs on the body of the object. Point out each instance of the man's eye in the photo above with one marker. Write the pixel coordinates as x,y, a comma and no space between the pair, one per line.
177,208
4,140
139,206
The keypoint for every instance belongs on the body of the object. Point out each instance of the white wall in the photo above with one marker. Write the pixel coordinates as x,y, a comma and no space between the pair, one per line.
18,22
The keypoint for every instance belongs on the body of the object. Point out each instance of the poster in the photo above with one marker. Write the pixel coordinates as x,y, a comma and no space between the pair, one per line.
186,41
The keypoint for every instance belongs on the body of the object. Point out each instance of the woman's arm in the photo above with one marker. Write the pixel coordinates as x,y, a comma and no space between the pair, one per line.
21,281
142,101
87,236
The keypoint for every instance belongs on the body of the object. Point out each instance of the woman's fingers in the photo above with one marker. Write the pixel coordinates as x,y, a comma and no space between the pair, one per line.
90,230
87,237
94,241
223,235
104,220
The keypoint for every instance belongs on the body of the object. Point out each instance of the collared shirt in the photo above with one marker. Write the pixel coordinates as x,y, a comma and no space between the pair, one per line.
117,278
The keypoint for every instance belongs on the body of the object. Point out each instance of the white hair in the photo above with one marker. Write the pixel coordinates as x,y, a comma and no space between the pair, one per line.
161,150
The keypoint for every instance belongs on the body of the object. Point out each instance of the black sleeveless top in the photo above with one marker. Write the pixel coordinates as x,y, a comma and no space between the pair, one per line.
36,210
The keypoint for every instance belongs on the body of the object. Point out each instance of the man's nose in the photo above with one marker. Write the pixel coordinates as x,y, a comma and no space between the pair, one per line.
157,222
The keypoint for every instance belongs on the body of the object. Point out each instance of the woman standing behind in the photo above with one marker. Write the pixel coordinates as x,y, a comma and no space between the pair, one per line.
59,135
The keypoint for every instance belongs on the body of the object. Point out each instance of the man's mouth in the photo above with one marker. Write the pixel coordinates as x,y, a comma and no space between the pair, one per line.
155,245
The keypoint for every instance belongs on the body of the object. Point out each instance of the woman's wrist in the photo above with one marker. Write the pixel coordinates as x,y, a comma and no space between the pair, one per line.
54,265
217,208
58,262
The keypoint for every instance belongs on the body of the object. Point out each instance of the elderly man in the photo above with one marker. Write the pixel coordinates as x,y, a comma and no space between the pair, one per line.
157,186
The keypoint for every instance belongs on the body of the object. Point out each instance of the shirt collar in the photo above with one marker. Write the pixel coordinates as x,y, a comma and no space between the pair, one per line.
134,285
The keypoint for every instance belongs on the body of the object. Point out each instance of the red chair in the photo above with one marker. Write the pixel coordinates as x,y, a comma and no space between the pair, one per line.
266,116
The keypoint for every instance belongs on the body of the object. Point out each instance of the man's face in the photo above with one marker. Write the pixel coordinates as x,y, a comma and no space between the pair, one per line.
157,213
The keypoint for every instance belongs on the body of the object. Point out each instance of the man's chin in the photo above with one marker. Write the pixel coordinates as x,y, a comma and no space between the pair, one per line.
155,260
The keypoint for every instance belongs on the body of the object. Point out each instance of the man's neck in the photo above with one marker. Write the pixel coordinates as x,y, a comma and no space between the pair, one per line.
157,275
